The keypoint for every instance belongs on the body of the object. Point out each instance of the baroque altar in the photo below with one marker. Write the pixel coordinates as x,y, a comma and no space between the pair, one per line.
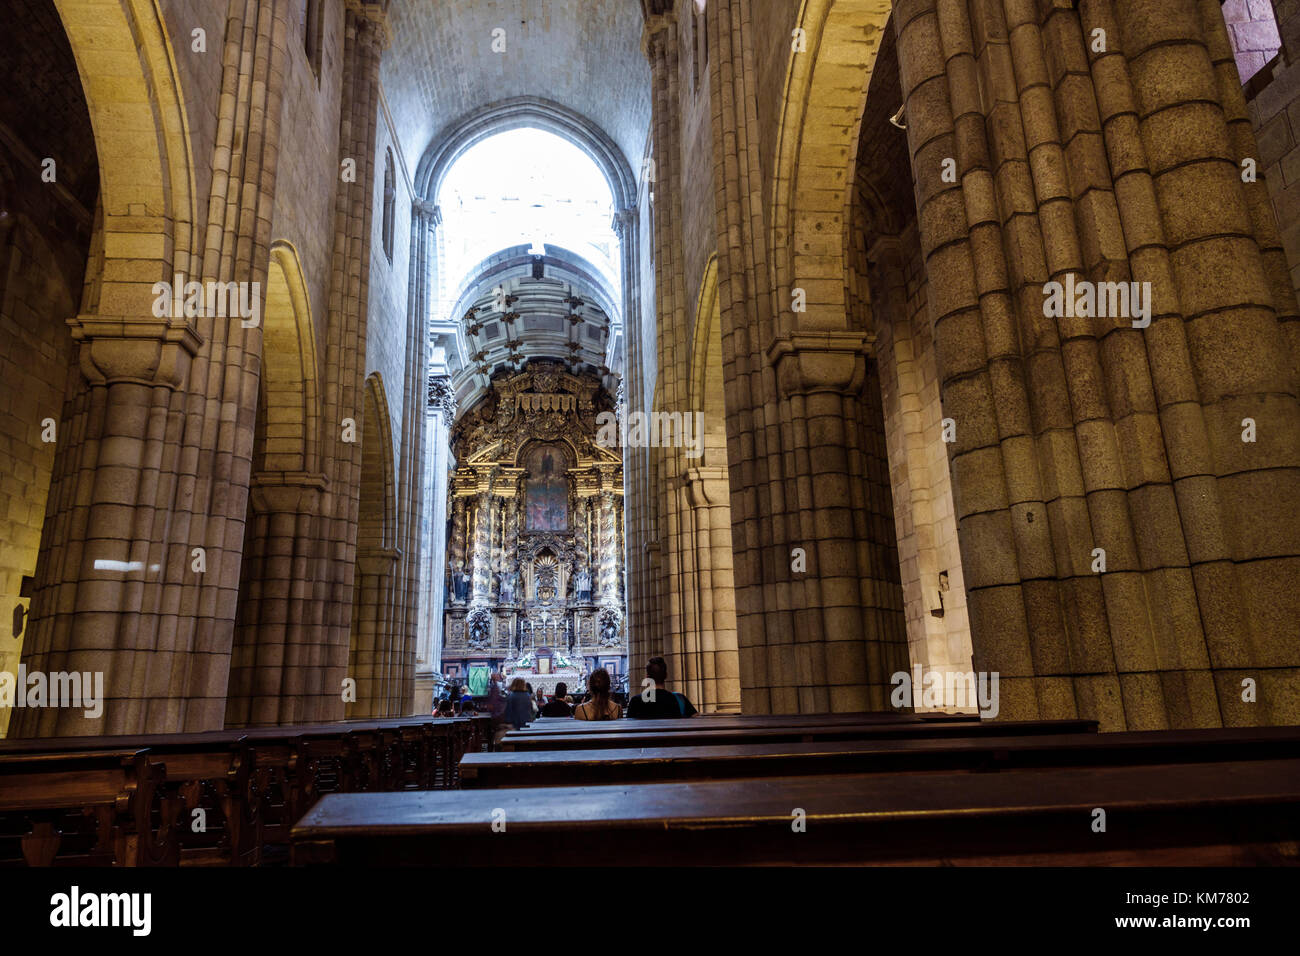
535,532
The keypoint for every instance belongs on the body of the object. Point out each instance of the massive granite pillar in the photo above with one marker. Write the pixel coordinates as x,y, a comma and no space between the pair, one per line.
142,544
1129,554
300,663
818,604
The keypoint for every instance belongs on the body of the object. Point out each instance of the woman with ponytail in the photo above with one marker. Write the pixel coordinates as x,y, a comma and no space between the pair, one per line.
600,706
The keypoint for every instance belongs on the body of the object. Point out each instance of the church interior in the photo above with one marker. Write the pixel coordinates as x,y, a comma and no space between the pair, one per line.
908,392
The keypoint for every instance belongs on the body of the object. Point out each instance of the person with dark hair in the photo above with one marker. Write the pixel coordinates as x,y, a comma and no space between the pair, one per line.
496,701
445,708
655,700
600,706
519,705
557,707
467,706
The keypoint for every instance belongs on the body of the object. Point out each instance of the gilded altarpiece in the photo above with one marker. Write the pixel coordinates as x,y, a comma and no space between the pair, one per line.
535,533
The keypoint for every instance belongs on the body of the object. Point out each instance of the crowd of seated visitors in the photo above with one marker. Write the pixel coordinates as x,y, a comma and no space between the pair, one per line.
518,706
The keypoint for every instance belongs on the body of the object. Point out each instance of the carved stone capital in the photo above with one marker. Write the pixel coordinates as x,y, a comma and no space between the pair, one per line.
707,486
430,212
442,398
808,361
372,20
623,221
377,561
141,351
657,33
287,492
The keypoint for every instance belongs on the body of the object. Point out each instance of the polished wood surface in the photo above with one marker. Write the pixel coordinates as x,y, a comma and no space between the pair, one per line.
704,762
1194,812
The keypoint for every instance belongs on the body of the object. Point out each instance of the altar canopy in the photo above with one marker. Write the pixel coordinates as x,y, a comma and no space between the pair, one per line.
535,536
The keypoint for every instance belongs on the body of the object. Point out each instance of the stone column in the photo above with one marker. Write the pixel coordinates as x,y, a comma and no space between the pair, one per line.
140,559
411,588
818,604
1082,439
300,670
719,667
437,545
279,618
373,657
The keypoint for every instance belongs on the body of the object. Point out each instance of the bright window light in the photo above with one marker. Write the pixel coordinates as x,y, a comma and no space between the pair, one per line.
525,186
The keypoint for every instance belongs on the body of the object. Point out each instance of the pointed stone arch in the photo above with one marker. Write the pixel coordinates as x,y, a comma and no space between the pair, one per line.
276,616
376,652
137,112
290,391
816,151
378,458
713,656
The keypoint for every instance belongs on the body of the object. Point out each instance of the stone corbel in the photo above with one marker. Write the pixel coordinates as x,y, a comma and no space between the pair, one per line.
707,486
377,561
622,221
655,28
374,12
430,212
287,492
142,351
807,362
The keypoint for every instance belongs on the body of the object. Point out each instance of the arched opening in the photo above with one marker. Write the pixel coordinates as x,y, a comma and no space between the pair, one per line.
528,318
530,186
711,660
377,659
279,610
390,203
888,290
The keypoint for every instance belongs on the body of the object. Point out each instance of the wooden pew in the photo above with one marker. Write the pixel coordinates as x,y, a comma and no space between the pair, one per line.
552,768
1207,813
211,772
253,784
569,725
522,740
98,807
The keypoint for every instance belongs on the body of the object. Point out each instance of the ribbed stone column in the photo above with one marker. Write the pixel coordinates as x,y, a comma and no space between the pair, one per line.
719,663
1083,439
818,604
374,659
156,462
280,621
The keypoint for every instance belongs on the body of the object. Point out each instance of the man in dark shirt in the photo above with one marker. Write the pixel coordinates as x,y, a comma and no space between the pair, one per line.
657,701
556,707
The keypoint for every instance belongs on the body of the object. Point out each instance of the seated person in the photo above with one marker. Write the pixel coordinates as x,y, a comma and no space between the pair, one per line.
445,708
658,701
519,705
600,706
557,707
467,706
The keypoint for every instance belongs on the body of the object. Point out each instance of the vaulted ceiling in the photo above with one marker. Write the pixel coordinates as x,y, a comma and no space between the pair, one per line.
582,54
521,307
